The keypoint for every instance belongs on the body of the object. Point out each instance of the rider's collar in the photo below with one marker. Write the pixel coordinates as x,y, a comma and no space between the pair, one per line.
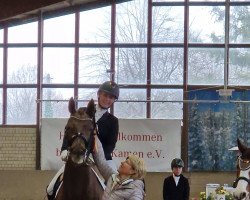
100,109
99,112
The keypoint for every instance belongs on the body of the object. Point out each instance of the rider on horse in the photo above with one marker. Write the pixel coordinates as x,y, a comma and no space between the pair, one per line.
107,125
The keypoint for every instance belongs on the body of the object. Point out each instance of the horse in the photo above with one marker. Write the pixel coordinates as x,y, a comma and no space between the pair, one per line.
79,179
242,181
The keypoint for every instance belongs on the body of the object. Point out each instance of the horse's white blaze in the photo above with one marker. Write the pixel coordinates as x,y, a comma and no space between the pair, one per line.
77,159
242,185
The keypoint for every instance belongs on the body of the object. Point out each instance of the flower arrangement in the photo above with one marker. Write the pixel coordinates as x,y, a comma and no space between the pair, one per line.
202,195
219,191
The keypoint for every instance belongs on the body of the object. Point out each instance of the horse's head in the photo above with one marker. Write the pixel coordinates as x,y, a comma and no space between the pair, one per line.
243,165
79,131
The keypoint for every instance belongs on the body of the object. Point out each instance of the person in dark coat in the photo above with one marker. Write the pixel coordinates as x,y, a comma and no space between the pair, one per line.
176,186
107,125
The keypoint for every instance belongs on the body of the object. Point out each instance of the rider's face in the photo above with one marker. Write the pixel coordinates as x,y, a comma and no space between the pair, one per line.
126,169
105,100
177,171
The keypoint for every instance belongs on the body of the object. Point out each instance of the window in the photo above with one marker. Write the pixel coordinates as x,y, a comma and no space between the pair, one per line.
204,26
206,66
21,106
95,25
167,66
55,31
131,65
94,65
239,71
22,65
168,24
1,66
58,65
165,109
55,102
148,65
131,109
1,36
131,22
26,33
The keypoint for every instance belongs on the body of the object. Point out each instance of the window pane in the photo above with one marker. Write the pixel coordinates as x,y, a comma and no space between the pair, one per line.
59,107
1,65
60,29
240,0
168,24
58,65
94,65
131,22
131,65
21,106
239,69
210,0
22,65
86,94
167,0
131,109
98,28
239,24
209,29
1,106
167,110
206,66
1,36
167,66
26,33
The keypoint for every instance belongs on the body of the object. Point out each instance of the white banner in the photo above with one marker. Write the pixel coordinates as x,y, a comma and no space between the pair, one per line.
157,141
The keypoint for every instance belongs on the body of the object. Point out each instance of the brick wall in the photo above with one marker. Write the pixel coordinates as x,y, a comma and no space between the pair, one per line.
17,148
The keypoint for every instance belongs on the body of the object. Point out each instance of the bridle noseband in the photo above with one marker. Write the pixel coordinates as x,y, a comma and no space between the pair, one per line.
88,143
243,168
243,161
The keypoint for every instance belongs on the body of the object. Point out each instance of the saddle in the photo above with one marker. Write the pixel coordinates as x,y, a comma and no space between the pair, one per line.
59,181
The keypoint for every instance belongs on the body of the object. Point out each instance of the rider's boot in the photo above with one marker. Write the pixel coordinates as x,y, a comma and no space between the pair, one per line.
50,197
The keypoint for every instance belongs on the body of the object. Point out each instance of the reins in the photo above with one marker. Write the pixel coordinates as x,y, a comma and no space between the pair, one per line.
235,183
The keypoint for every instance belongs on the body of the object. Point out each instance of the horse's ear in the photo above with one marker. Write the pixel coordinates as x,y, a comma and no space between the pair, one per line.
241,146
72,106
91,108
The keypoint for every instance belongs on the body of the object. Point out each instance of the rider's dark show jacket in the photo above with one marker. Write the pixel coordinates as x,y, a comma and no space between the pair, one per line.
108,132
173,192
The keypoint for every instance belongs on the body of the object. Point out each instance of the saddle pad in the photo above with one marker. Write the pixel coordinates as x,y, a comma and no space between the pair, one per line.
99,177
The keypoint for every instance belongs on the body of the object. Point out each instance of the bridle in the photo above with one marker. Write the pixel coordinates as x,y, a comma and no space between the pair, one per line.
246,166
88,143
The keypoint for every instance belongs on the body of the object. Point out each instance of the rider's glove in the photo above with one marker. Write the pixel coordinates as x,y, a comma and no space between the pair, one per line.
64,155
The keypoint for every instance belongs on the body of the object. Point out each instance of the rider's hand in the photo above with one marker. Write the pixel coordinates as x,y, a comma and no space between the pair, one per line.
64,155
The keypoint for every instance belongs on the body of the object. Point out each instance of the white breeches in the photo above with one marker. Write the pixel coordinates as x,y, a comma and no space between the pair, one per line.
53,181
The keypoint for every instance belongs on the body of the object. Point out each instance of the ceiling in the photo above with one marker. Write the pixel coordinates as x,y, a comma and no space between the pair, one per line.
14,11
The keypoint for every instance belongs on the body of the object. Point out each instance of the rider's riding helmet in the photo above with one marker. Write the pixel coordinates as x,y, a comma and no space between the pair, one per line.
110,87
177,162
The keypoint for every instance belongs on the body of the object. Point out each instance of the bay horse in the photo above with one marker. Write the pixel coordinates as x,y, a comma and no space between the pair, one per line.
243,180
79,179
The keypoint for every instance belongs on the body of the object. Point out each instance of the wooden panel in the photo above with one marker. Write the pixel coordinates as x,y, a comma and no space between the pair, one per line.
11,8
